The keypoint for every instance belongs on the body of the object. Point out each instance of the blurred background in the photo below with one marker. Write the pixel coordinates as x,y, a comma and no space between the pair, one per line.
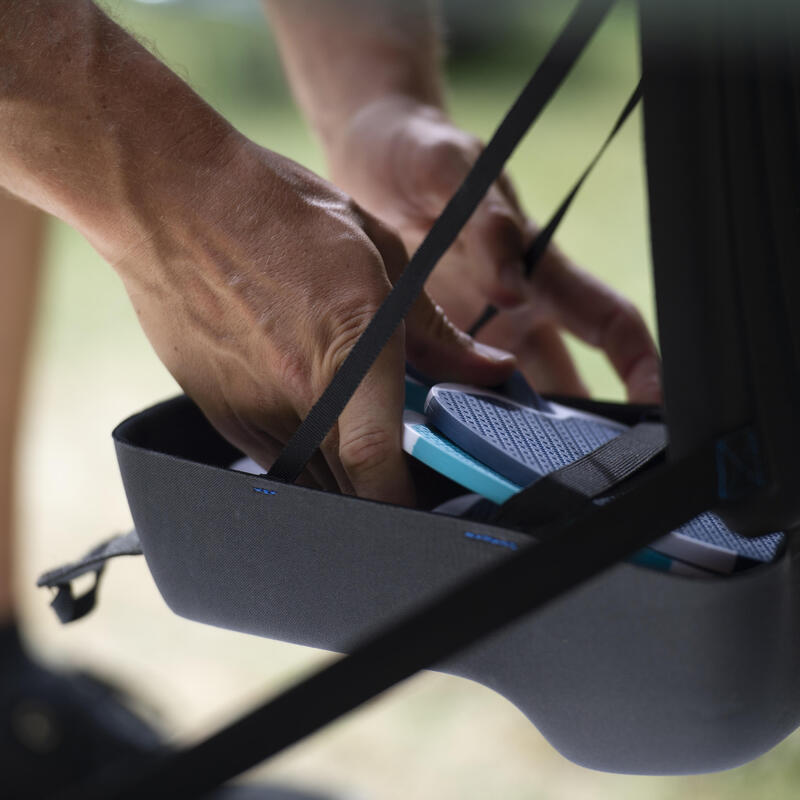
435,736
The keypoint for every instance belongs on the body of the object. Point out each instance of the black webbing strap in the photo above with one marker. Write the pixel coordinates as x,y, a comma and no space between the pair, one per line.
567,555
538,246
555,66
567,490
66,604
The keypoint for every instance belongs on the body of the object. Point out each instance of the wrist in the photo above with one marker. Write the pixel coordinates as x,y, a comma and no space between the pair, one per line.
162,148
161,187
167,220
384,118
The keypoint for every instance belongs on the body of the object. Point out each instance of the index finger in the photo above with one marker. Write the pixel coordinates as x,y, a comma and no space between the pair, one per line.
603,318
370,431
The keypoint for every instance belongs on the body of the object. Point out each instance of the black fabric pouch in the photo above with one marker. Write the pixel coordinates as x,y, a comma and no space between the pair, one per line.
636,671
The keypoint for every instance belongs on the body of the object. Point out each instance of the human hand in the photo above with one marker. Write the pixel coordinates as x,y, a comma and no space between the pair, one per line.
254,294
252,277
403,160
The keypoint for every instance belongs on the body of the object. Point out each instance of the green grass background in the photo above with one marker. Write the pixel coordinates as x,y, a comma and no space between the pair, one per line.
434,737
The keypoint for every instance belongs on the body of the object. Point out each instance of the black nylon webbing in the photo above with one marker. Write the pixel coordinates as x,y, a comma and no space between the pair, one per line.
572,486
555,66
67,606
542,241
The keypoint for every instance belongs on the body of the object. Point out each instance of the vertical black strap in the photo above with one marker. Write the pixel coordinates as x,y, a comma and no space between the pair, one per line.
541,242
579,29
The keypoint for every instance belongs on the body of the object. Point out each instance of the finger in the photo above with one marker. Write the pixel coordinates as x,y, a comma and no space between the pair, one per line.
601,317
443,352
643,381
370,431
507,188
548,365
316,475
494,242
263,448
433,344
461,300
439,159
329,450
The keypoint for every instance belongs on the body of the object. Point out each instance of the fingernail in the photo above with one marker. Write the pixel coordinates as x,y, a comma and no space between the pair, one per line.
493,353
645,382
512,278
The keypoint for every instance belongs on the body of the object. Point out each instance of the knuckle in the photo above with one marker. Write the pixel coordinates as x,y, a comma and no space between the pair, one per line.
624,330
503,225
294,376
354,252
390,243
625,321
353,211
385,242
504,251
445,150
432,328
444,160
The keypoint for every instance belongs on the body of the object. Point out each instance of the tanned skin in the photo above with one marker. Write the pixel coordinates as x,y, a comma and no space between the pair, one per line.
21,227
367,76
253,277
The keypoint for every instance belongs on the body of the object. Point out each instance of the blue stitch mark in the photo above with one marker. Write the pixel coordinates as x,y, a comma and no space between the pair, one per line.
482,537
263,491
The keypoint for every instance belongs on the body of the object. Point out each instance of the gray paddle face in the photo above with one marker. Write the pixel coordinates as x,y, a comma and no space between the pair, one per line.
519,442
637,671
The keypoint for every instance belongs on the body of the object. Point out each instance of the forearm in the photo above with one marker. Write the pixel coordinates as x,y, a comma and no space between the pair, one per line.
21,240
341,55
93,128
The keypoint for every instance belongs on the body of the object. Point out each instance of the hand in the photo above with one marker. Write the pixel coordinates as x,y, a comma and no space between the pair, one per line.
254,294
403,161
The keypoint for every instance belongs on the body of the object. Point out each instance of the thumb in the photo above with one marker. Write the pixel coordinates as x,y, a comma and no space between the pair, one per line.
442,352
434,345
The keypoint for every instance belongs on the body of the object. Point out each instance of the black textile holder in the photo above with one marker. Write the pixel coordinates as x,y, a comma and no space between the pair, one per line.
657,502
